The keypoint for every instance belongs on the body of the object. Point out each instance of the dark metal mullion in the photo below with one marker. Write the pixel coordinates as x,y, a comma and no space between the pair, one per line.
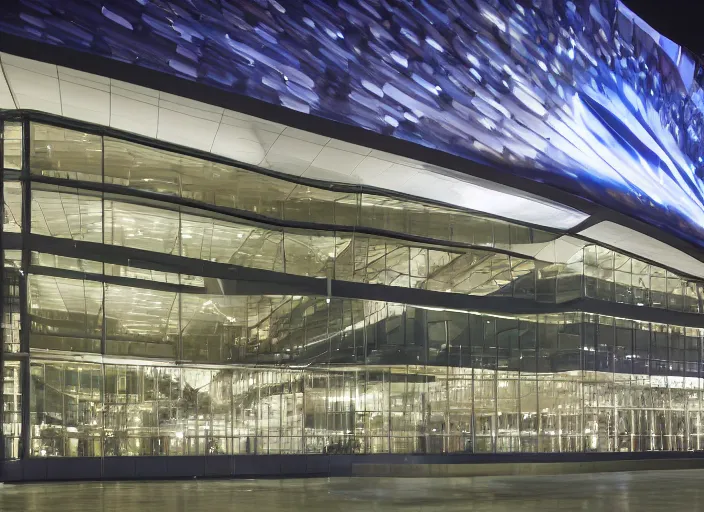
2,291
120,255
24,295
131,282
103,327
179,339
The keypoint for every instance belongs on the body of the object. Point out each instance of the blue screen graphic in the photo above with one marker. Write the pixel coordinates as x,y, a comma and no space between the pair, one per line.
582,95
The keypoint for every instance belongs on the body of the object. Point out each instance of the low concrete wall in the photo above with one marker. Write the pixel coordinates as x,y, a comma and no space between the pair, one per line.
301,466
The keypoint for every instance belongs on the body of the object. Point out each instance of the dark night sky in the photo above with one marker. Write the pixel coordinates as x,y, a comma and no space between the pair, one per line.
680,20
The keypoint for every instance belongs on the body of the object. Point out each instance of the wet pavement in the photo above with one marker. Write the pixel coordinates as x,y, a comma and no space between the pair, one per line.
640,491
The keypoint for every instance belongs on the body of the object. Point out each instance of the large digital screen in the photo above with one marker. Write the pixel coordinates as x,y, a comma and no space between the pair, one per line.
581,94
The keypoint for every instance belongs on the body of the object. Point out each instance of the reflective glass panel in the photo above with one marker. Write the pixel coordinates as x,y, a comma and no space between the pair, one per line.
12,211
63,153
141,322
66,314
12,145
67,213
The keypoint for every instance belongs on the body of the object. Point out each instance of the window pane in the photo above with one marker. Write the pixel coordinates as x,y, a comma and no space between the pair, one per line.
66,213
623,279
12,145
660,359
214,328
144,168
691,299
141,322
152,275
676,289
448,270
641,348
309,204
309,253
605,283
418,267
12,212
66,313
165,172
63,153
11,301
66,410
223,241
470,272
382,212
658,287
40,259
640,282
245,190
624,349
141,227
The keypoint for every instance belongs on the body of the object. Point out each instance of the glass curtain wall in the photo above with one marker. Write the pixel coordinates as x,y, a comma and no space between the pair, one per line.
152,347
228,213
488,384
84,157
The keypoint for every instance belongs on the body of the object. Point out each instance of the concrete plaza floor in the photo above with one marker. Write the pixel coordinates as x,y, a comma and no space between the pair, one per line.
639,491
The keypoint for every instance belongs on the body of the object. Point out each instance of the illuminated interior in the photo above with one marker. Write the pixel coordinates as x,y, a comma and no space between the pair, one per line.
399,227
163,303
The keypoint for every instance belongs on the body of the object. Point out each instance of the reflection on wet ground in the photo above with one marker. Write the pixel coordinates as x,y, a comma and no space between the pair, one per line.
641,491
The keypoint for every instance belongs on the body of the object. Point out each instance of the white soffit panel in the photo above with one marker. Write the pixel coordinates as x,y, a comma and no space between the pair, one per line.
96,99
630,241
32,89
6,99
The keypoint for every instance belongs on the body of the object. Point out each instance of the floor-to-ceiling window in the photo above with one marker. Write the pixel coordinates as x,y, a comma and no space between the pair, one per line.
160,303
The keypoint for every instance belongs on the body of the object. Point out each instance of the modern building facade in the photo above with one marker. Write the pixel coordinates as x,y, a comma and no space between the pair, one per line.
203,266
